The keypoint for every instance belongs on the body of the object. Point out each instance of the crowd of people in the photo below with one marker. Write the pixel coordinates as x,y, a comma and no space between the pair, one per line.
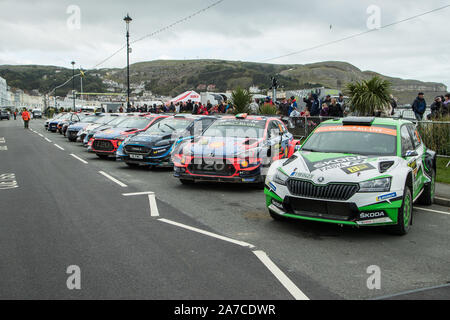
439,108
190,106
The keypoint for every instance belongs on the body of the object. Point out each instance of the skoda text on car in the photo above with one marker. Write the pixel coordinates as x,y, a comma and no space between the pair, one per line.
355,171
235,149
74,129
154,146
105,143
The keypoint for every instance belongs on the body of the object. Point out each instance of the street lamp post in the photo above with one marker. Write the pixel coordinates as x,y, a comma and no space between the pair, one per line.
127,20
73,84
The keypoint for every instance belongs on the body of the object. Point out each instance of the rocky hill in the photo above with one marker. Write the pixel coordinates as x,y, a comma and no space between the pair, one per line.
169,77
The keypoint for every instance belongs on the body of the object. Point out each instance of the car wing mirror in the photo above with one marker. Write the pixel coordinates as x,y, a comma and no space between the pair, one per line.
410,153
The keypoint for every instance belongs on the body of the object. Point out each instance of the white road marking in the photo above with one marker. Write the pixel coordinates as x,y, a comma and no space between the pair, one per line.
2,140
153,207
445,199
430,210
123,185
59,147
3,148
41,135
8,181
285,281
137,193
78,158
240,243
48,139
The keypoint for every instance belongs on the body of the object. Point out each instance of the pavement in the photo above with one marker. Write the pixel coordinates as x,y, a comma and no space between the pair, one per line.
207,241
442,194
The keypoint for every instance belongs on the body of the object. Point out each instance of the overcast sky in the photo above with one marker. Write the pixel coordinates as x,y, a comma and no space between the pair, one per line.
37,32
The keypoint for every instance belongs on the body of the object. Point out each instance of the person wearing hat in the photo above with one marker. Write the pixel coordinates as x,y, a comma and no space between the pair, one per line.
436,108
419,106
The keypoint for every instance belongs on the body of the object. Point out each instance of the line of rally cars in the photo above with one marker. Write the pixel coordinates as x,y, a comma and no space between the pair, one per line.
351,171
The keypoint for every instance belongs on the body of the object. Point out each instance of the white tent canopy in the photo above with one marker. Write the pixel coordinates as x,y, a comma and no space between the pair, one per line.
188,95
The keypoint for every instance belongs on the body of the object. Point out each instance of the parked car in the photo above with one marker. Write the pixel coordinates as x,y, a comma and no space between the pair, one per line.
234,149
4,115
357,172
37,114
153,147
74,129
106,143
89,138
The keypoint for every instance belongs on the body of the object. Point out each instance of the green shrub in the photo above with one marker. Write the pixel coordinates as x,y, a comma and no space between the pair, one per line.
268,109
436,135
241,99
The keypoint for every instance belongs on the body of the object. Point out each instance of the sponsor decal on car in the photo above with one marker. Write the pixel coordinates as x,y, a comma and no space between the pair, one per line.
368,129
371,215
271,185
302,175
374,221
387,196
358,168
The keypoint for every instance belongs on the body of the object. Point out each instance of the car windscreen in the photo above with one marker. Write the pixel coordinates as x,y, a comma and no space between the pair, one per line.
67,116
354,139
103,119
168,125
90,119
237,128
135,123
117,121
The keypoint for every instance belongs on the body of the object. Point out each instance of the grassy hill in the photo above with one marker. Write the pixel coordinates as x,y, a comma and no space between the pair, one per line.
170,77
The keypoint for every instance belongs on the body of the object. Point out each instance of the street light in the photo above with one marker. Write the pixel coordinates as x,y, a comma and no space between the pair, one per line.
73,84
127,20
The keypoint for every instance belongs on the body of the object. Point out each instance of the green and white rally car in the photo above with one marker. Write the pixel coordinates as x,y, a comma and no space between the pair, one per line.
356,171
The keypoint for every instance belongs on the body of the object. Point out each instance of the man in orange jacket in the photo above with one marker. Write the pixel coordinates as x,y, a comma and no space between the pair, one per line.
26,117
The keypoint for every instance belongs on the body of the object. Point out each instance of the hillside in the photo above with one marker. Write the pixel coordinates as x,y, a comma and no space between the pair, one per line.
169,77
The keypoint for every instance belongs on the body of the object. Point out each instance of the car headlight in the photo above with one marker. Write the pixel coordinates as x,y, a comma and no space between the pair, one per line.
280,178
377,185
164,143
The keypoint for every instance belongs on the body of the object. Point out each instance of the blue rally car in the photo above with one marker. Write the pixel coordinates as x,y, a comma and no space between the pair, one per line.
154,146
72,130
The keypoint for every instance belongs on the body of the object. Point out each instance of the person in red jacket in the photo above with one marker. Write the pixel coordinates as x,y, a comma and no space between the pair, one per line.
202,110
26,117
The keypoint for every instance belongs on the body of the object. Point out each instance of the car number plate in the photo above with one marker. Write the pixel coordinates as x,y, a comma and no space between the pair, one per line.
135,156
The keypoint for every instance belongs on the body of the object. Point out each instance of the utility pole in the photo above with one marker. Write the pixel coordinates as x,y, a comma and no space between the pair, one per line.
127,20
274,87
73,84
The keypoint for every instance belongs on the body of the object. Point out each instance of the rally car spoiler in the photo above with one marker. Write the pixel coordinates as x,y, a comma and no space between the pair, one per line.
363,121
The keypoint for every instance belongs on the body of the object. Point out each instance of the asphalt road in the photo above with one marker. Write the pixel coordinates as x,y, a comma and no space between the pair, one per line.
64,212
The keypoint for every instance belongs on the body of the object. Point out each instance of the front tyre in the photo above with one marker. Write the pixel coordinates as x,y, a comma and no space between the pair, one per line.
427,197
404,217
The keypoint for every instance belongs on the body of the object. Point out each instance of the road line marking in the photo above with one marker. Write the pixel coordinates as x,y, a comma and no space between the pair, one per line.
2,140
123,185
439,198
240,243
153,207
40,134
137,194
430,210
3,148
281,276
78,158
48,139
59,147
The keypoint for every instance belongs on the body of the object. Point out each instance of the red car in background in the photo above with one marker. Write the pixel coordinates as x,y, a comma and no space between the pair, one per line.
105,143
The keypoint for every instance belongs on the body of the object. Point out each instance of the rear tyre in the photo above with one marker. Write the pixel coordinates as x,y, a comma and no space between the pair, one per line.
187,182
404,217
427,197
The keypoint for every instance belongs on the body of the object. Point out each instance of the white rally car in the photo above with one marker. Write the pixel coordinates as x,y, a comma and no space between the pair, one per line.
355,171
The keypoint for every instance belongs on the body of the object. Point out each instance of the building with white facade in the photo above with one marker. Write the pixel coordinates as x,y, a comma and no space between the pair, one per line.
4,97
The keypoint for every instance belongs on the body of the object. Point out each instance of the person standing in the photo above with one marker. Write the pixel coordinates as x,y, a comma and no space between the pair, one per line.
419,106
393,103
315,109
436,108
15,115
26,118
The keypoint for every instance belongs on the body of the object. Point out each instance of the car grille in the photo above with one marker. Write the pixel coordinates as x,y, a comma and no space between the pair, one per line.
137,150
342,211
209,168
333,191
103,145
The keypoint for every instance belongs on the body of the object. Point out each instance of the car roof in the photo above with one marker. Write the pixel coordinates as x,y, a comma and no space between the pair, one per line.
375,121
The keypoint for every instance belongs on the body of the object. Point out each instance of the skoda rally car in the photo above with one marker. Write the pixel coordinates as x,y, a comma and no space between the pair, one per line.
355,171
105,143
234,149
154,146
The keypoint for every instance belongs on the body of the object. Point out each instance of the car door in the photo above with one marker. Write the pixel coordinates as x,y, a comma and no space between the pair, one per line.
410,154
418,145
274,139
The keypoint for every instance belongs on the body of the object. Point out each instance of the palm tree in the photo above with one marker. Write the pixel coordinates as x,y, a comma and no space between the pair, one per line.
369,97
241,99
